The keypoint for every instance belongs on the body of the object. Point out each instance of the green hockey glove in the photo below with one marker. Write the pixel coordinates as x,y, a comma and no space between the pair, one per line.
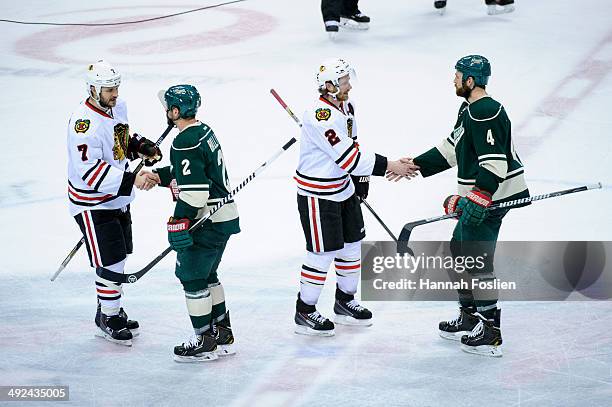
474,207
178,234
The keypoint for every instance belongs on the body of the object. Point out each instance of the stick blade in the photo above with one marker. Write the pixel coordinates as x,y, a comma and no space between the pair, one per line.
403,239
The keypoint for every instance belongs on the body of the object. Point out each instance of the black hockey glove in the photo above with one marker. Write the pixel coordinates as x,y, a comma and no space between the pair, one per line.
141,147
362,186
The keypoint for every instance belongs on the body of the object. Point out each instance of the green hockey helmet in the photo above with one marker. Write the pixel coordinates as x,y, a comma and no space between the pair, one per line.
476,66
184,97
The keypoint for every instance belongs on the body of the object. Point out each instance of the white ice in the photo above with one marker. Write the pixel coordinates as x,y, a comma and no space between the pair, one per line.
551,69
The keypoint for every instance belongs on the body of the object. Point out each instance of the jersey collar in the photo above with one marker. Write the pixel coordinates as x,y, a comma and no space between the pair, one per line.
95,109
340,109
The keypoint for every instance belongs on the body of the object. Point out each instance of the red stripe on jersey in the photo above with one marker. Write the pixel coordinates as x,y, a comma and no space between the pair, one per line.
313,277
314,224
350,160
92,243
308,184
107,291
356,266
88,198
93,177
322,99
95,109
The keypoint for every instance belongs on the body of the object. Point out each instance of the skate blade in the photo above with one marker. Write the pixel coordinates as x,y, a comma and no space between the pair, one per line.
453,336
441,11
494,10
347,320
135,332
225,350
483,350
109,338
333,36
204,357
353,25
304,330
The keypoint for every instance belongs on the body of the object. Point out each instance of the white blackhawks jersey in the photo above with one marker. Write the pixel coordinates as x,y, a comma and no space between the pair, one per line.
97,163
329,152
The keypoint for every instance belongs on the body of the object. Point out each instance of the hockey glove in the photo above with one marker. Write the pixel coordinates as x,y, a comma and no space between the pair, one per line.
142,147
178,234
362,186
474,207
451,205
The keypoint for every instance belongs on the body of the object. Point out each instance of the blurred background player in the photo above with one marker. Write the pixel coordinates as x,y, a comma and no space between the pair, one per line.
101,187
329,209
493,6
198,166
343,13
488,171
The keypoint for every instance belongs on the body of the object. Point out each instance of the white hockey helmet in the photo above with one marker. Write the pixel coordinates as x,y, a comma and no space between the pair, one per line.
100,75
332,70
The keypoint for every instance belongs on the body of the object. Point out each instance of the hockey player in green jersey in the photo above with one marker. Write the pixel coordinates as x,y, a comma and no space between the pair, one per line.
198,166
488,171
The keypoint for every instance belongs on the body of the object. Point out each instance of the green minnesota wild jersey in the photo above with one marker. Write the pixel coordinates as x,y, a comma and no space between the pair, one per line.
198,166
481,147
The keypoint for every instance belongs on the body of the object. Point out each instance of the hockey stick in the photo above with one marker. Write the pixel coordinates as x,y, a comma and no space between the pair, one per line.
379,220
133,277
404,236
80,243
299,123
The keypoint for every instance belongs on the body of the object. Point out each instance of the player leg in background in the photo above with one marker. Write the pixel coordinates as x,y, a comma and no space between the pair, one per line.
194,267
351,17
499,6
108,238
330,9
221,324
485,338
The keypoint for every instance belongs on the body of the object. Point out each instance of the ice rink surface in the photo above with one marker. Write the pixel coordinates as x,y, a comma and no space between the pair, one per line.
551,63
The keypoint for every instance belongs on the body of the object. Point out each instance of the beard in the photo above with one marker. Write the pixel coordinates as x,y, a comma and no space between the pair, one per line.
463,91
108,103
342,97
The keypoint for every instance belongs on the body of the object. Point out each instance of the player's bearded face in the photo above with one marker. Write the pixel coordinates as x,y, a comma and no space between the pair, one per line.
461,88
108,97
344,87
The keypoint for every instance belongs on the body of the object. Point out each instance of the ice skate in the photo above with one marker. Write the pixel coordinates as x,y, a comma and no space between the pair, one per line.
113,328
308,321
224,336
440,6
132,325
200,348
351,313
355,21
485,339
462,325
331,27
495,7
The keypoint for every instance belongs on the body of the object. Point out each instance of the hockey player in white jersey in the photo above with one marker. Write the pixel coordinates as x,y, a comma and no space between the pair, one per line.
332,175
101,187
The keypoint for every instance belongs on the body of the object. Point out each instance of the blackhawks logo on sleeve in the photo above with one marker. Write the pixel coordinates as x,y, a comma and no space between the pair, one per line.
81,126
322,114
122,137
